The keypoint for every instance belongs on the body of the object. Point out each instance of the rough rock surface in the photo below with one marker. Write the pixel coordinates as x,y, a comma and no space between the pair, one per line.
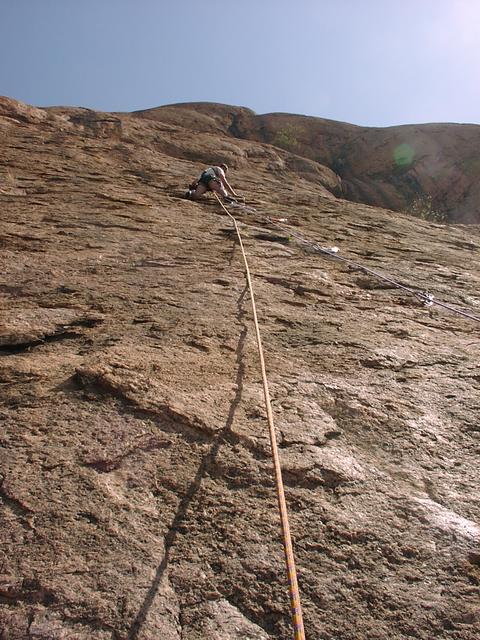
431,170
136,483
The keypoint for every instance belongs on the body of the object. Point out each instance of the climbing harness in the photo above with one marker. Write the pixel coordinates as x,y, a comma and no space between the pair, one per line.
297,619
207,176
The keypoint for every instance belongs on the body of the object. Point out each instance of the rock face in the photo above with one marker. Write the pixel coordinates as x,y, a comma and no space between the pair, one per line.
136,480
429,170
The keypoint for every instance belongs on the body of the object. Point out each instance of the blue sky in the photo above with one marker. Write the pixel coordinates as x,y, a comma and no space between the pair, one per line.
369,62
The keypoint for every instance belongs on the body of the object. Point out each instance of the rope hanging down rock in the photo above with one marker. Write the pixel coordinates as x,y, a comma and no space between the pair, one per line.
297,619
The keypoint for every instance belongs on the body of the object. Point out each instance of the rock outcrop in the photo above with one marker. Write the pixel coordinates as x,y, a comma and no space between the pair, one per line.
136,482
428,170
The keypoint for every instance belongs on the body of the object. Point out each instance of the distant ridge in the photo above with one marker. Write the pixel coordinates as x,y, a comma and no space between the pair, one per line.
431,170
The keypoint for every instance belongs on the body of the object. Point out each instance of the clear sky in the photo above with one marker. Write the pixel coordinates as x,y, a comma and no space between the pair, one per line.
369,62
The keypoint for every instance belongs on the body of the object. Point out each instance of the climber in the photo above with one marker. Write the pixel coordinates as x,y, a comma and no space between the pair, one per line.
212,179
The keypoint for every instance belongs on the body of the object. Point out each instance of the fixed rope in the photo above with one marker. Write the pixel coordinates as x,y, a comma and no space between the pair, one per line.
424,296
297,619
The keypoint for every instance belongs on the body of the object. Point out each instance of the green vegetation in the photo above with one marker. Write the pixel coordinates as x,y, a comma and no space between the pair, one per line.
287,137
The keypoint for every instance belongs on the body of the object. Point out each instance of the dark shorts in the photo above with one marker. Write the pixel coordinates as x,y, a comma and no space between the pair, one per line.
206,178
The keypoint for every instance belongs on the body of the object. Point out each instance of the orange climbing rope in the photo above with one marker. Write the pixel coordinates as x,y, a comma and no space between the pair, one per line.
299,632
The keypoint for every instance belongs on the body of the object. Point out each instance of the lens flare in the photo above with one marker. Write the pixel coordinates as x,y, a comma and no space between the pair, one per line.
403,155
